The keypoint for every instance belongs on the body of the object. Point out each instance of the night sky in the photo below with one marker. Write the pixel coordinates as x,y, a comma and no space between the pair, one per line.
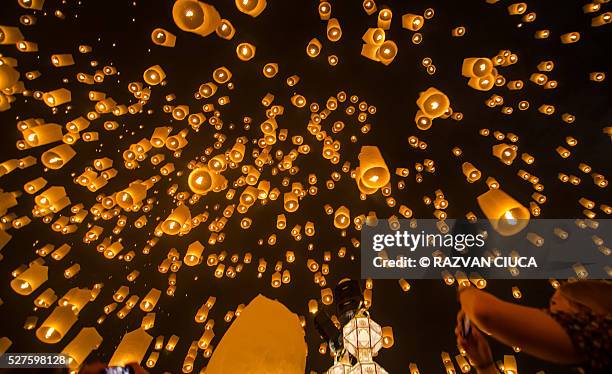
423,318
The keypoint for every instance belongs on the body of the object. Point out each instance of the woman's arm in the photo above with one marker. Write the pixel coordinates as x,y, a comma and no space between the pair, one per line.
531,329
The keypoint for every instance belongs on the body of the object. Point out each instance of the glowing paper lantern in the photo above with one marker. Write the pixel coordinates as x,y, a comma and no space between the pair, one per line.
270,70
42,135
132,348
313,48
194,254
226,30
476,67
507,216
374,171
32,278
177,220
245,51
62,60
57,97
57,157
433,103
334,31
81,346
505,153
290,202
386,52
31,4
201,180
342,218
154,75
150,300
8,76
196,17
267,329
251,7
163,37
57,324
412,22
384,19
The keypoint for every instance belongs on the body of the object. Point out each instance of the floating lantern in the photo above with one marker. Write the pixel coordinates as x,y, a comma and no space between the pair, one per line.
251,7
57,157
507,216
57,97
433,103
32,278
374,171
412,22
245,51
196,17
57,324
155,74
163,38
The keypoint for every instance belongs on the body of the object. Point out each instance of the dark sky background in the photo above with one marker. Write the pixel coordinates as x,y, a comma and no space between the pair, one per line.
423,318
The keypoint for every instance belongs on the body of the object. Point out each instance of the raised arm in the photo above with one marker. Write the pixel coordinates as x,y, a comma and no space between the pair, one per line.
531,329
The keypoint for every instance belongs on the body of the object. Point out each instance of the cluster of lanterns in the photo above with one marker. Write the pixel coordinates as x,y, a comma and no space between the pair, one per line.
251,158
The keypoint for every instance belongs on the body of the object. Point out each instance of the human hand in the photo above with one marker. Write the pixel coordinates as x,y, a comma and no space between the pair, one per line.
475,344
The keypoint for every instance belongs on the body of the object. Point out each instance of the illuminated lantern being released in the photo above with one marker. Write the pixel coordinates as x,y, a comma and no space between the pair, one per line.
507,216
196,17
